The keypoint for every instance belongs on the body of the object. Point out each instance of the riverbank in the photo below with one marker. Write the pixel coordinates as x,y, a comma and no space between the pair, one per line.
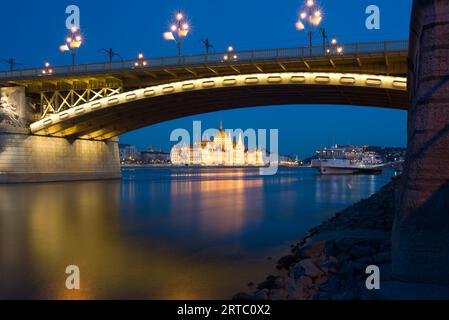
330,262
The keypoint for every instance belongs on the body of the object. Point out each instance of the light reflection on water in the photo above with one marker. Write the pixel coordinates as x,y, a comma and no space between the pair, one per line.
162,233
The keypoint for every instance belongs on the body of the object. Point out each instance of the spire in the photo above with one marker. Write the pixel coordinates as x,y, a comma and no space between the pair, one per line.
221,125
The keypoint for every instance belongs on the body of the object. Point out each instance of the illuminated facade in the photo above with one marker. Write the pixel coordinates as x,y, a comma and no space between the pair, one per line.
221,151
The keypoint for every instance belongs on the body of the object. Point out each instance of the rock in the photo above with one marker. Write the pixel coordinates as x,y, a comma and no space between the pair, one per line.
382,257
347,270
296,271
344,245
360,252
279,294
324,296
343,257
267,284
312,250
319,260
333,260
305,282
262,295
330,248
360,265
320,281
330,264
280,282
298,294
310,269
332,285
286,262
242,296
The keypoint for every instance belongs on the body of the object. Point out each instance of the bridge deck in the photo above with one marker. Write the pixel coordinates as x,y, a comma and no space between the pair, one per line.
379,58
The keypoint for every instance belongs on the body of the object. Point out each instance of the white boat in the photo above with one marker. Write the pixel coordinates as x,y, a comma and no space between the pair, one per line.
347,160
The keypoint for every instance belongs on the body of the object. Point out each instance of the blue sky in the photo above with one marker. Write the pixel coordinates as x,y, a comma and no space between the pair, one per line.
32,32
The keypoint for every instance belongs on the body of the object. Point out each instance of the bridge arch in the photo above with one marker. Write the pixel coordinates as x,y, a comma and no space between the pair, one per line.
112,116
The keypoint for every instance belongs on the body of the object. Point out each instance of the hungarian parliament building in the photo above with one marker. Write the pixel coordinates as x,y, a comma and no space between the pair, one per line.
221,151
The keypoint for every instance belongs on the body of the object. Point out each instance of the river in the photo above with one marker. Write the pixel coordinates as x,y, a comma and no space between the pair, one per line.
163,233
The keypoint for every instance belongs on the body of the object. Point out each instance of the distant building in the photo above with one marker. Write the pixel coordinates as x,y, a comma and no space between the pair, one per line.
129,153
152,156
288,160
221,151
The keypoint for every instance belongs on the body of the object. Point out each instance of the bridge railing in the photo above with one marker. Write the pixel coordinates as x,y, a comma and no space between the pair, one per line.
355,49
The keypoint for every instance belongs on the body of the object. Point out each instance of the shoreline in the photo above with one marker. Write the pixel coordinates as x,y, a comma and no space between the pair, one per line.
169,166
329,262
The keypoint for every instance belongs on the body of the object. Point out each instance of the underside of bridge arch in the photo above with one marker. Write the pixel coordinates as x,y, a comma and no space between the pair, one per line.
105,123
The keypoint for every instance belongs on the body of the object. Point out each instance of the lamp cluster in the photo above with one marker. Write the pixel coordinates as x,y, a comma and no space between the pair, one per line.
47,71
140,62
179,29
311,15
230,56
72,43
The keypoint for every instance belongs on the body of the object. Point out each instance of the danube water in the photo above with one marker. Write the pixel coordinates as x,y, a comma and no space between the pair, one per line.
163,233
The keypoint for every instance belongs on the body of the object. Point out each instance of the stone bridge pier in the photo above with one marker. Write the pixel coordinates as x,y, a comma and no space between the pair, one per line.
421,230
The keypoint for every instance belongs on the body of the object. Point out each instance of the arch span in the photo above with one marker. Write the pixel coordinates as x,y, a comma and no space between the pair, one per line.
110,117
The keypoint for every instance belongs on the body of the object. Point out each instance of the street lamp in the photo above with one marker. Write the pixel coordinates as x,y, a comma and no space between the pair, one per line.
207,45
140,62
334,48
179,29
230,56
111,54
310,16
12,63
73,42
47,71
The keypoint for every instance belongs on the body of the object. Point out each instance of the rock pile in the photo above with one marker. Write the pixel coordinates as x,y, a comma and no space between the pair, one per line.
330,263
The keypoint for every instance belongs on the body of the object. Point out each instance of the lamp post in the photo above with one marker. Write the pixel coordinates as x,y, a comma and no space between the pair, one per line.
309,18
179,30
73,42
140,62
230,56
111,54
47,71
207,45
335,48
12,63
324,34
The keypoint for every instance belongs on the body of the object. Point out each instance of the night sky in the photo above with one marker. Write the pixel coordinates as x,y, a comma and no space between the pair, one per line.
31,32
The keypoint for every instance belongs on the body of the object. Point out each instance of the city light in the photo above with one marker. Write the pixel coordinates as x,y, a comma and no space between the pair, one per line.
334,48
179,29
140,62
47,71
310,18
73,42
230,56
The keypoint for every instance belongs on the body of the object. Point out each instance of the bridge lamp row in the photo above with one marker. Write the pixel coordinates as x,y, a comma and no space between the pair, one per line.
47,71
179,29
230,55
141,62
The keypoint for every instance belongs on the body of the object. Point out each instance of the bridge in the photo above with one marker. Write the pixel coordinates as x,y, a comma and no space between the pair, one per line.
105,100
